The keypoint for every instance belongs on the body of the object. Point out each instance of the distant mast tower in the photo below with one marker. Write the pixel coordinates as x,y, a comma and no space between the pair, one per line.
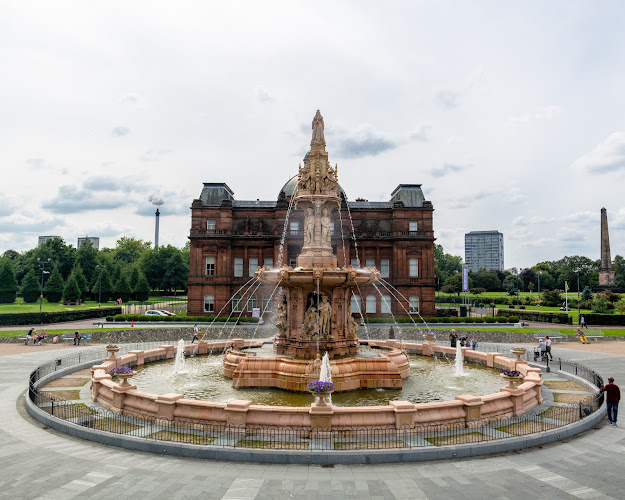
606,275
156,229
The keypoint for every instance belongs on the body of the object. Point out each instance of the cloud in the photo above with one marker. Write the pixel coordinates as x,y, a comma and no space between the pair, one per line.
124,184
448,168
7,206
576,217
263,95
21,224
539,115
468,201
420,133
120,131
71,200
156,199
177,208
447,98
36,163
154,154
608,156
130,99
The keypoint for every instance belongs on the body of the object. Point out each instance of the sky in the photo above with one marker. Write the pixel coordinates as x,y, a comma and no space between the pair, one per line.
510,114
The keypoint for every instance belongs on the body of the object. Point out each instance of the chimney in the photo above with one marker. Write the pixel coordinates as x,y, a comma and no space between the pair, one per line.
156,230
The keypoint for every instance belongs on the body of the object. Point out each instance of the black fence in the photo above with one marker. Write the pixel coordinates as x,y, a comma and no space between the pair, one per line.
304,438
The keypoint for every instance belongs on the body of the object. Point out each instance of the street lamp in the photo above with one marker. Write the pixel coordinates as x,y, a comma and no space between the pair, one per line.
43,271
539,273
578,304
100,285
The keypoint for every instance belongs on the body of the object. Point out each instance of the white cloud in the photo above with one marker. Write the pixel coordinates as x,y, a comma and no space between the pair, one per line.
608,156
263,95
120,131
546,113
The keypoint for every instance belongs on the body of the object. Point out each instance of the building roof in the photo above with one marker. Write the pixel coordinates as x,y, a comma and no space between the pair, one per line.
214,193
409,194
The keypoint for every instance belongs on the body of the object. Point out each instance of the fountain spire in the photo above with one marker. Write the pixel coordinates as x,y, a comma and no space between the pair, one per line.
318,140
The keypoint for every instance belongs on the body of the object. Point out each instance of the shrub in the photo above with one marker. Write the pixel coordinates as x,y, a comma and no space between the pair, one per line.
71,291
445,319
457,320
513,319
490,319
502,319
54,287
479,320
34,318
8,283
110,318
31,288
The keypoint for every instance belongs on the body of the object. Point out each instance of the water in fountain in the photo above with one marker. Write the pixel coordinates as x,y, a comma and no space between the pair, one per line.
180,361
286,223
325,375
390,288
459,361
351,222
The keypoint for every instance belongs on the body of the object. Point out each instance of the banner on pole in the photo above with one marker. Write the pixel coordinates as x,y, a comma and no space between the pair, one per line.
465,279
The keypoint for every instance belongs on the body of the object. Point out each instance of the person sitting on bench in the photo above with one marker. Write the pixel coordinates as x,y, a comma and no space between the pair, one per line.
581,336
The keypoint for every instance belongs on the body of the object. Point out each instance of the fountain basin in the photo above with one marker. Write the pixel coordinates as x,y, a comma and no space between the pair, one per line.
325,276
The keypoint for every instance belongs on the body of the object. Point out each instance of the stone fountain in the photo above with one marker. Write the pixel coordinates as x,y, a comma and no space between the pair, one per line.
314,315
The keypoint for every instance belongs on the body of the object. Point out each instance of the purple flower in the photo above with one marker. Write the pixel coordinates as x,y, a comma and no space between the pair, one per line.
320,387
122,370
511,373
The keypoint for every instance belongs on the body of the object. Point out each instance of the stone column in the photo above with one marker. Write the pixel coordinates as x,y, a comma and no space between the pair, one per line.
404,413
236,412
472,407
170,351
606,275
166,405
140,356
320,416
119,394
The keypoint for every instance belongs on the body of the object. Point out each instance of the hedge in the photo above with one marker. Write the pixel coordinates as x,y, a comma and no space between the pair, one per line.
187,319
34,318
542,317
605,319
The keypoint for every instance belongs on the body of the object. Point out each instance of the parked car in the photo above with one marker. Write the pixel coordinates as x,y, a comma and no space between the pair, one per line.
167,313
154,312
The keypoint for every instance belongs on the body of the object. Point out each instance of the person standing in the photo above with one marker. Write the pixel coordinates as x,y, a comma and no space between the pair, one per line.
453,338
195,331
613,396
474,343
548,346
583,321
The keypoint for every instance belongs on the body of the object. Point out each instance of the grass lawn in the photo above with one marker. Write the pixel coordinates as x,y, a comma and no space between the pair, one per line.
18,307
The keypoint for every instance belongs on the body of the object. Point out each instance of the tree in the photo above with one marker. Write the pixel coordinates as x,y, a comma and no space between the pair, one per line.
142,290
71,291
8,283
453,284
107,285
81,280
134,278
513,280
600,306
176,274
122,288
31,287
587,294
130,250
87,258
54,286
619,271
486,279
551,298
445,265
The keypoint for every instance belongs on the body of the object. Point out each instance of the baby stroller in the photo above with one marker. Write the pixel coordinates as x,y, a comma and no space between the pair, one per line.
540,352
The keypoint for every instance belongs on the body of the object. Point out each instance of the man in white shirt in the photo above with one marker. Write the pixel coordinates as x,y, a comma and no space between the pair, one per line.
548,346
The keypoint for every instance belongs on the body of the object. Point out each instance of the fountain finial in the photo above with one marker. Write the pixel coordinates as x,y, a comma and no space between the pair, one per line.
318,138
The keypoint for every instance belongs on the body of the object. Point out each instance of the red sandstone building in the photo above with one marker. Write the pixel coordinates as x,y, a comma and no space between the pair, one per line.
231,238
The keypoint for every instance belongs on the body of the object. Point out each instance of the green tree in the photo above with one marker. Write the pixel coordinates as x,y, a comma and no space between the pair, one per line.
8,283
486,279
134,278
600,306
87,258
54,286
176,273
31,287
515,281
129,250
445,265
81,280
587,294
453,284
122,288
142,289
71,291
619,271
551,298
107,285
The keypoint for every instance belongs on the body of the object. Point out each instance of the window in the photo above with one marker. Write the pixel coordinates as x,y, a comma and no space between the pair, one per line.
370,262
209,303
236,303
268,261
412,226
294,227
238,266
356,263
253,265
413,304
414,267
371,303
293,262
385,306
210,266
210,225
384,268
251,303
267,305
355,303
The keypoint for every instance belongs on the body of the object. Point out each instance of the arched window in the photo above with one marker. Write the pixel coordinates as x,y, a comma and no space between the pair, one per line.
371,303
236,303
414,304
385,305
355,303
209,303
251,303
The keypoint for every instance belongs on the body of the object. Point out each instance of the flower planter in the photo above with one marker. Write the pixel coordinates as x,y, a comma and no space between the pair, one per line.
124,378
518,353
430,337
323,397
513,382
112,351
200,336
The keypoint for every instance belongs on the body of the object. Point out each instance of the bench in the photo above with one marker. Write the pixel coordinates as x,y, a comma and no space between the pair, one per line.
70,336
553,334
592,333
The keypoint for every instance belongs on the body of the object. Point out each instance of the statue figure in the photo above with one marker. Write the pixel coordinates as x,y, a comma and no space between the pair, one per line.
325,316
326,229
311,321
309,224
317,127
306,180
282,316
352,326
314,366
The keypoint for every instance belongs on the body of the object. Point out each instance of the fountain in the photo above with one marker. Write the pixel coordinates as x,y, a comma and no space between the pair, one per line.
459,361
179,363
315,313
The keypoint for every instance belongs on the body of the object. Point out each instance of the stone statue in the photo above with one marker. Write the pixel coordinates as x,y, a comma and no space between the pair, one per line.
282,316
326,229
325,316
317,127
311,321
314,366
352,326
309,224
306,181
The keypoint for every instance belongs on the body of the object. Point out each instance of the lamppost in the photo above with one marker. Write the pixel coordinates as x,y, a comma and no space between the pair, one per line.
43,271
539,273
100,268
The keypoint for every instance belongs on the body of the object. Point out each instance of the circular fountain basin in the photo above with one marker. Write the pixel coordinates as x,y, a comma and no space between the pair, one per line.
327,277
430,380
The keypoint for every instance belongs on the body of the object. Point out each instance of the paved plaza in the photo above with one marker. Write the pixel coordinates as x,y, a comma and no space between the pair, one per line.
36,462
